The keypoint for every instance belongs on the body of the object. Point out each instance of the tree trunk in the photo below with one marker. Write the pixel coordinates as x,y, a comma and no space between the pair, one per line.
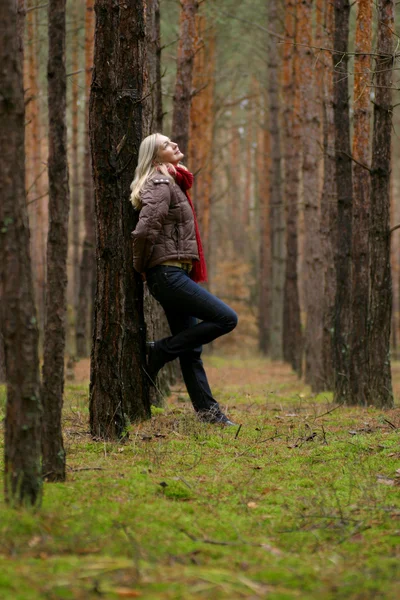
344,186
22,478
184,72
202,126
312,242
57,249
277,213
75,196
34,163
118,385
264,302
292,337
359,371
328,207
87,272
380,382
154,64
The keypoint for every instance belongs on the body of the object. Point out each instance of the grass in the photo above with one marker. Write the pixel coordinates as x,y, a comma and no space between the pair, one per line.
302,502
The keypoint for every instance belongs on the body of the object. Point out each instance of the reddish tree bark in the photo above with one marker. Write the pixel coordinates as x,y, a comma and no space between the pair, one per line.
184,74
359,372
380,382
202,126
118,385
57,249
22,478
344,186
292,337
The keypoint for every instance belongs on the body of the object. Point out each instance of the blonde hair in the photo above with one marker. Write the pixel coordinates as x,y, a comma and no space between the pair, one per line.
147,153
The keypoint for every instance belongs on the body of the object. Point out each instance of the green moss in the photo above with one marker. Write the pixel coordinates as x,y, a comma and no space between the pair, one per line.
188,510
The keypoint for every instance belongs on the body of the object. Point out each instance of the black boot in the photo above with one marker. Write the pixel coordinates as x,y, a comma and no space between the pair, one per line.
155,361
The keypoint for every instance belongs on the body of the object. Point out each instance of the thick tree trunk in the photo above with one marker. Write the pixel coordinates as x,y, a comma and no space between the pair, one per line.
87,272
292,337
22,477
328,207
154,64
380,382
359,371
277,213
312,243
344,186
57,249
184,73
118,385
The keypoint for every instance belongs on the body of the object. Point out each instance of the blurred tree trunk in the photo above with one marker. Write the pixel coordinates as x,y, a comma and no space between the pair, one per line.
313,283
328,205
245,216
22,477
75,196
57,249
202,126
344,186
118,384
359,368
380,382
292,337
277,213
263,170
87,271
34,162
184,74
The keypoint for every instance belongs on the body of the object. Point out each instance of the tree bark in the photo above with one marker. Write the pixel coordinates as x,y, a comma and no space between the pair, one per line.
184,73
312,242
359,371
75,184
118,385
344,186
380,382
277,213
87,272
22,479
328,207
202,126
264,301
292,337
57,249
154,64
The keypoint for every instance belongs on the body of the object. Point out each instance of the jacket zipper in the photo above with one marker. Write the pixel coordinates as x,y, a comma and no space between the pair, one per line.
177,240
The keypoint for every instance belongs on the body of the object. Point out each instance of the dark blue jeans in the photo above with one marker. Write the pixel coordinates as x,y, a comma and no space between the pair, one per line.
184,303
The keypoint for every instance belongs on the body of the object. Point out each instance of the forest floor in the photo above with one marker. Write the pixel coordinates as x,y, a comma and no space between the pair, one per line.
301,502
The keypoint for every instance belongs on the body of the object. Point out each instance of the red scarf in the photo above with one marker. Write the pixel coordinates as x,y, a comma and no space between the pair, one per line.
184,179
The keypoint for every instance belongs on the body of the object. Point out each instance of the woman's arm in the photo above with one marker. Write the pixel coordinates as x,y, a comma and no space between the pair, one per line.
156,199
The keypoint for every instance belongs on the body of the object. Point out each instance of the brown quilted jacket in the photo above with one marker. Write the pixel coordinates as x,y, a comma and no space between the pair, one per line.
165,230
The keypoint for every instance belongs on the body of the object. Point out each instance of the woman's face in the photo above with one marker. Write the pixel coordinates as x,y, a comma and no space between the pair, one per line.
168,152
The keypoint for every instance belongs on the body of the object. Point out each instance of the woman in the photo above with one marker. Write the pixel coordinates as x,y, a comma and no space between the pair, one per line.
168,252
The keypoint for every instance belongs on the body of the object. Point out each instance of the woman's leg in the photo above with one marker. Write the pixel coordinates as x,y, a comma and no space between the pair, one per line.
193,372
176,292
